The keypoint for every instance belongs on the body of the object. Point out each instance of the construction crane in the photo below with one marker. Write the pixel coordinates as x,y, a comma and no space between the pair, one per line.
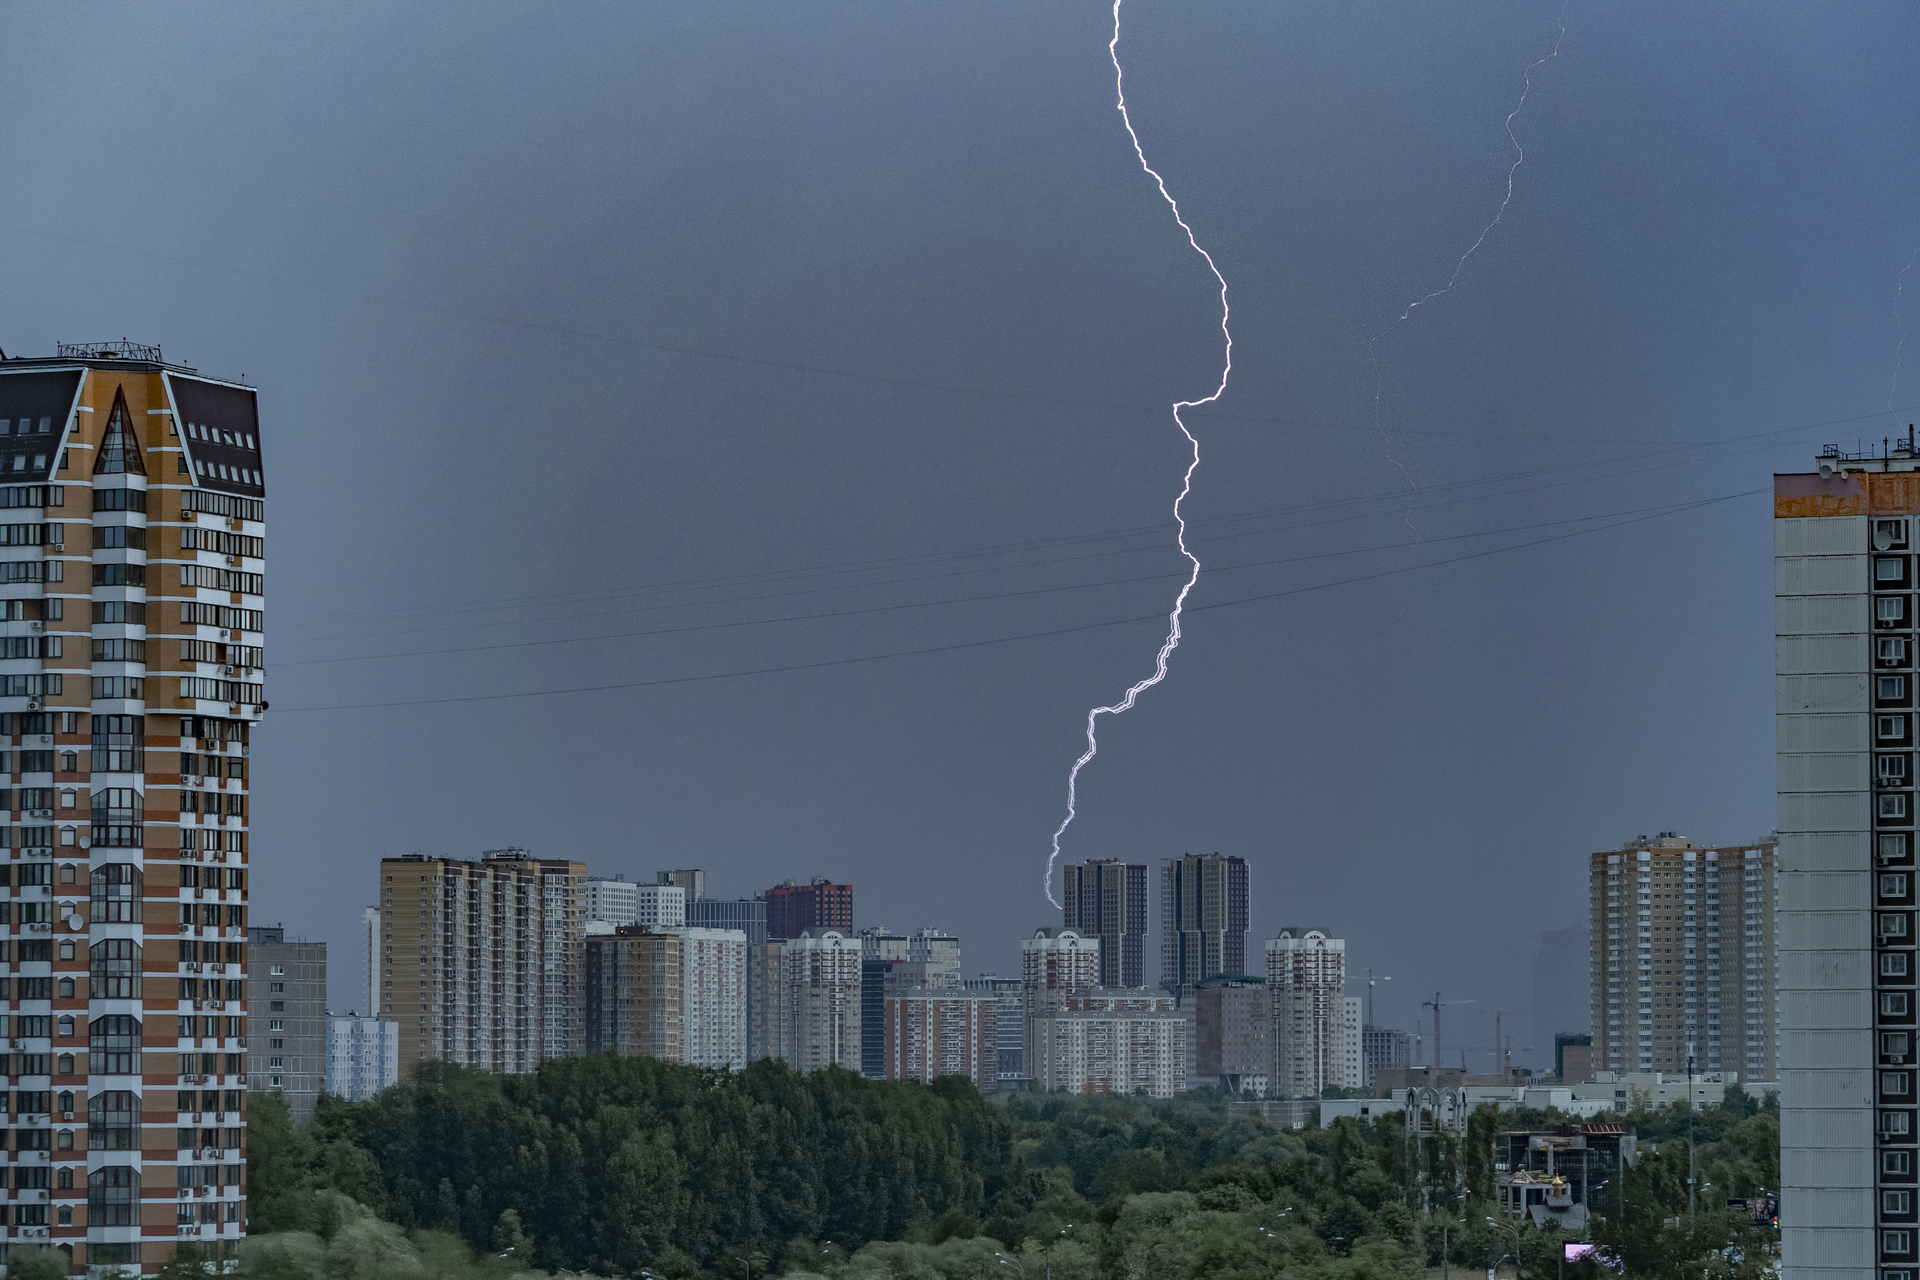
1436,1004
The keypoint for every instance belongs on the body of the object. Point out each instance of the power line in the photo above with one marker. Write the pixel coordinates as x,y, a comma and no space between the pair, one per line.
999,640
1212,571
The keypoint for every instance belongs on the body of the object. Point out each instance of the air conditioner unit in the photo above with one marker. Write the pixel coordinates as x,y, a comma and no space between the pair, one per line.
33,626
199,1004
187,515
43,1195
33,704
233,560
225,634
59,546
66,1115
227,670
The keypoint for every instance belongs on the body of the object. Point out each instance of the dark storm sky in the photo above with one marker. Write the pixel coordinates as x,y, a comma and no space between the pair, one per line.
442,239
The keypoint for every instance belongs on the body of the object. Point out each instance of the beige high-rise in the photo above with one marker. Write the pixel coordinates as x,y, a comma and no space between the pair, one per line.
480,961
1683,957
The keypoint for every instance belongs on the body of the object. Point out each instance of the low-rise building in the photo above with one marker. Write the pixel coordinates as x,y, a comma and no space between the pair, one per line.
363,1055
1560,1175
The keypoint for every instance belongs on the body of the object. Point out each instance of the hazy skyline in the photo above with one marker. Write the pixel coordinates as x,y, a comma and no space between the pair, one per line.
793,337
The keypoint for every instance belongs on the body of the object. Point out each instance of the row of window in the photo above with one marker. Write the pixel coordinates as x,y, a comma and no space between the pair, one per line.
214,803
206,575
215,435
26,427
198,538
212,988
220,690
221,471
195,613
222,504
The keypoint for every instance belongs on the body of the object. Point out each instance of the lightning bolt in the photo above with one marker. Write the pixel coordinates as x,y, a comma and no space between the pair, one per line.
1519,158
1172,641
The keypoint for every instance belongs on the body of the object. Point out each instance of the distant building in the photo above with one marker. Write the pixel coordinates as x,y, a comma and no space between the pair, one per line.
1094,1050
634,991
820,1000
941,1031
748,915
892,963
1352,1073
713,997
1558,1176
691,881
1054,963
481,961
613,900
1683,957
793,908
1383,1049
766,970
1306,978
1206,909
1572,1057
1009,1022
363,1055
370,953
287,1000
1108,898
1233,1017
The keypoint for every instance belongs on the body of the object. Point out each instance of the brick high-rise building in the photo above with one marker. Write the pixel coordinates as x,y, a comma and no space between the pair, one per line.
1683,957
131,603
941,1031
1233,1022
482,960
634,993
1206,913
793,908
1108,897
1306,979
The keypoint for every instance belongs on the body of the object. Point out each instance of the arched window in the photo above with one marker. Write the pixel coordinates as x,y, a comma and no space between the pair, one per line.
113,1120
63,1141
114,968
64,1178
114,1043
66,1064
112,1196
116,892
66,1023
66,1101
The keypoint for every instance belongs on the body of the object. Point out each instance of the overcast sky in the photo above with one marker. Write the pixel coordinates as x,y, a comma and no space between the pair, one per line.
592,320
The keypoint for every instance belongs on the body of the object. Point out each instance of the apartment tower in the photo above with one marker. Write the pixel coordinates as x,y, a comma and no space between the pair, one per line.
1108,897
480,959
1205,908
1683,957
1844,581
287,992
634,993
1054,963
793,908
1306,980
131,600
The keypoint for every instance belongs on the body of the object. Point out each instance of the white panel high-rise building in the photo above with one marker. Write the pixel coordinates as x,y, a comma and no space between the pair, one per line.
363,1055
612,900
818,1000
713,1001
1054,963
1352,1072
1306,978
1844,608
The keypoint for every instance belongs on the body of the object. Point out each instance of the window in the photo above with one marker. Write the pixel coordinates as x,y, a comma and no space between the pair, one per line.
1890,728
119,535
119,575
112,1195
132,612
1885,568
1893,924
113,1120
1896,1241
119,650
114,969
1893,1122
119,500
1893,885
1890,688
1888,535
119,686
1896,1162
1893,1004
1890,610
1893,964
116,893
1895,1084
1891,805
117,815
